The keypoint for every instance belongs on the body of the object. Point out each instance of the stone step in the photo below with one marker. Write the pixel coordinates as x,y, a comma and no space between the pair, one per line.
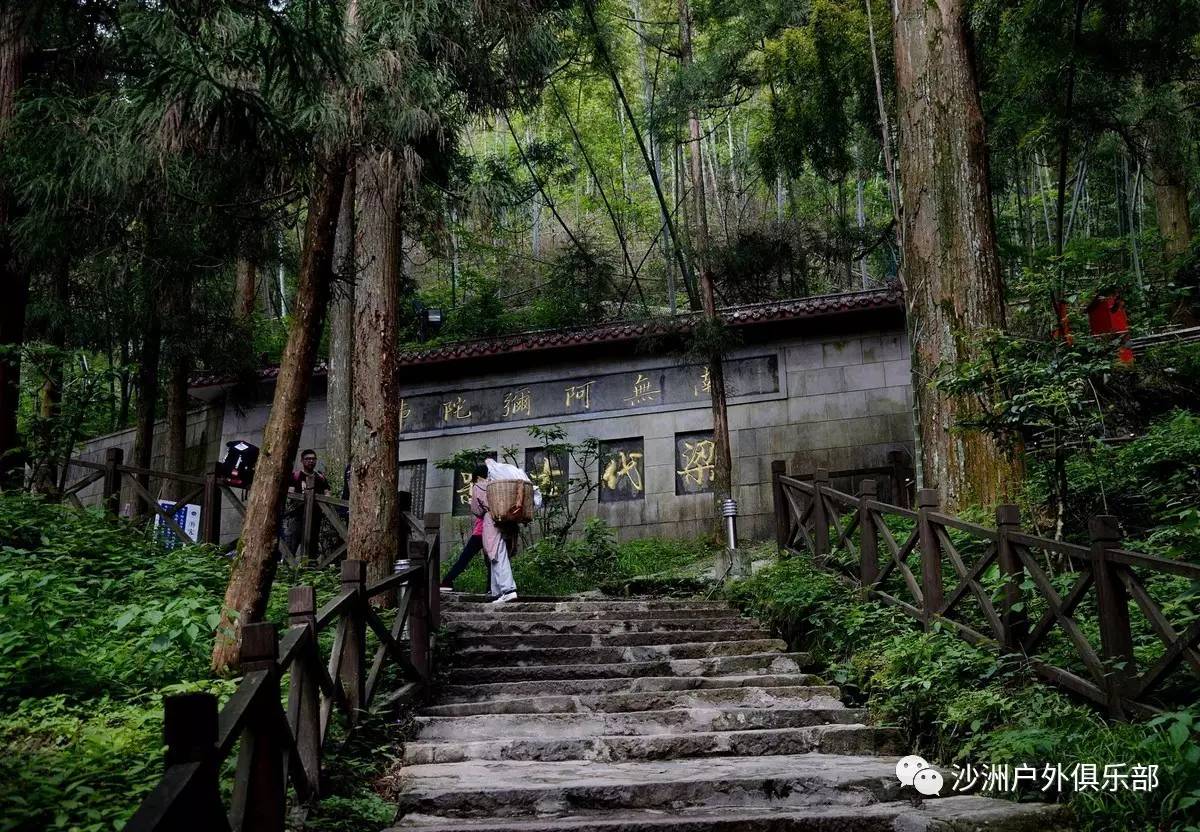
500,691
465,645
960,813
634,723
496,626
827,739
597,605
455,598
738,697
520,788
766,663
542,656
494,613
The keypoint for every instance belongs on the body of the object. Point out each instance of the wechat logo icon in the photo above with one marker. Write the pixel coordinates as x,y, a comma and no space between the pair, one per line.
916,772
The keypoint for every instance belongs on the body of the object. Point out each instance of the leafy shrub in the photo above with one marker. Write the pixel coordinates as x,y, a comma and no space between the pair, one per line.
591,561
1147,481
959,704
97,623
95,607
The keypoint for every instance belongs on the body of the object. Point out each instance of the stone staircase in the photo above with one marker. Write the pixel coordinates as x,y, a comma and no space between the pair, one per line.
639,715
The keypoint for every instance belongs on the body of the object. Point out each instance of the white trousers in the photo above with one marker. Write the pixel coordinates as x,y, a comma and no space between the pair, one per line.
501,571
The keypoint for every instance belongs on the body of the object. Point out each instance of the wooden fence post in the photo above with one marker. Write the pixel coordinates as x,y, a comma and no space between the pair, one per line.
868,553
260,785
931,556
819,518
304,692
308,545
418,614
210,518
351,672
190,734
782,526
1112,608
111,491
433,523
1013,616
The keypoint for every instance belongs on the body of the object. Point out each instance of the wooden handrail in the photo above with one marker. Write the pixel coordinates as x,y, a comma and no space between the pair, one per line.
1159,564
164,475
279,746
292,644
955,555
1059,547
334,608
392,581
315,534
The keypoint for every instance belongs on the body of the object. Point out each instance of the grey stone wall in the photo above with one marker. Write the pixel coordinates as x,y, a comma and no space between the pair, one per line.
842,403
204,427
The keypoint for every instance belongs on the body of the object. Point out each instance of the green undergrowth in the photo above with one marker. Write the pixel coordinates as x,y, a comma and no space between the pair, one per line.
955,703
595,560
359,769
97,623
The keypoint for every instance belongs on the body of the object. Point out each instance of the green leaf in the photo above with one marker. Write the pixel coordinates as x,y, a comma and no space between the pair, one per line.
123,621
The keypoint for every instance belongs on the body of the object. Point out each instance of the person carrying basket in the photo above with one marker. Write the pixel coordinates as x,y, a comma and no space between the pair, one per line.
494,546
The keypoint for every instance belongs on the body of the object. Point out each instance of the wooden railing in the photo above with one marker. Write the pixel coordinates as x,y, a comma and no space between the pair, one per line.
1065,607
319,520
279,743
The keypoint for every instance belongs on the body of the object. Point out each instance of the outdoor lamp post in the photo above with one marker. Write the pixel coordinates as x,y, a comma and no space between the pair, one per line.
730,561
729,512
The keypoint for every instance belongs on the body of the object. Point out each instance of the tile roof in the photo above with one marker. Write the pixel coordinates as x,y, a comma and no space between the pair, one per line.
795,309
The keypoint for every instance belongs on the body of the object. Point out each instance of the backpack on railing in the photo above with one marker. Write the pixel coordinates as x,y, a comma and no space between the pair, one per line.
237,468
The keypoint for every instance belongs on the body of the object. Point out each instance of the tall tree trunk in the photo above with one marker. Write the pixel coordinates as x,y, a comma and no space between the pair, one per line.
176,417
340,396
885,133
147,397
375,439
254,567
1171,206
179,357
1168,172
52,447
860,217
722,461
14,50
954,284
246,288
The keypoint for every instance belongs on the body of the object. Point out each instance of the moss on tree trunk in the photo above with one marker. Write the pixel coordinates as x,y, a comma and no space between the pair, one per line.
254,567
952,272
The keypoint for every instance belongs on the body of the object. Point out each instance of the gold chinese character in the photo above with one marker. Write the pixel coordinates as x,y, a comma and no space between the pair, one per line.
518,401
548,478
405,412
455,409
463,492
642,391
698,462
580,393
628,468
705,385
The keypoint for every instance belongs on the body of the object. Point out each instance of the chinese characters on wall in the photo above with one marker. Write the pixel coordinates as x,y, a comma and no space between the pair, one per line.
463,481
549,473
612,392
622,467
694,455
